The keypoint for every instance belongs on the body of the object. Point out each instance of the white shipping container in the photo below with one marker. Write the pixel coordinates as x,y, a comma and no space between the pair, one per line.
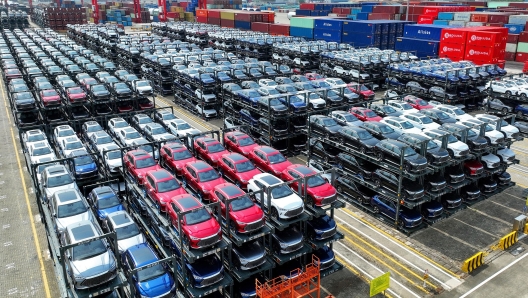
457,23
518,19
511,47
474,24
462,16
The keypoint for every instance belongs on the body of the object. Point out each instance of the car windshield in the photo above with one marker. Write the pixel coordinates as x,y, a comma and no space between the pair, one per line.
386,129
244,166
109,202
350,118
104,140
406,125
208,175
406,106
253,94
364,88
158,130
197,217
426,120
114,155
142,84
458,112
442,115
214,148
24,95
241,203
49,93
184,126
451,139
151,273
168,185
329,122
276,158
421,102
83,160
315,181
295,99
144,120
36,138
281,192
471,134
370,114
408,151
364,135
71,209
126,232
274,102
75,91
87,250
489,128
133,135
145,163
168,117
41,151
339,82
431,145
61,180
66,133
73,145
99,88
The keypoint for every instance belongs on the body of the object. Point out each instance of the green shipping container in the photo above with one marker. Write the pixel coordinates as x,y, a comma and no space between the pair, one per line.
522,47
227,15
302,22
495,4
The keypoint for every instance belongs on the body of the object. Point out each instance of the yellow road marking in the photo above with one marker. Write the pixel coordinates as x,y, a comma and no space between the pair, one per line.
353,270
399,241
26,195
184,112
521,185
348,240
517,171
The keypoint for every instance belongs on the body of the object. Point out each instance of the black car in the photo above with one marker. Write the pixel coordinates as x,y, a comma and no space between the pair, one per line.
434,183
331,97
470,192
432,210
248,256
287,241
274,129
273,105
385,110
79,112
474,141
487,184
380,130
360,167
286,88
121,90
355,190
24,100
451,201
324,151
391,150
434,153
438,116
503,178
411,190
357,138
284,80
321,228
27,118
249,117
99,92
454,174
324,125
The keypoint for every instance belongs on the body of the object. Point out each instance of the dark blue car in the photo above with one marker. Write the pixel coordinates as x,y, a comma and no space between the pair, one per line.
206,78
326,257
521,110
432,210
296,103
83,167
321,227
249,96
105,201
408,218
205,272
155,281
250,117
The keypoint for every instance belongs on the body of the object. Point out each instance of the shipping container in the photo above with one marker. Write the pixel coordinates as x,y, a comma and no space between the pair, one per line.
307,6
476,53
518,19
260,27
213,21
303,12
455,51
214,14
243,25
302,22
484,38
227,23
328,24
511,47
447,16
427,32
514,28
453,36
424,48
513,38
360,39
227,15
203,20
327,35
279,29
380,16
462,16
521,57
479,17
301,32
510,56
362,26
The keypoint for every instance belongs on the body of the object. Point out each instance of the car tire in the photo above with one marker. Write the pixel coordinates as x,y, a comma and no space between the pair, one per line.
339,189
408,167
326,159
504,110
380,155
519,114
401,226
363,149
377,182
274,213
309,201
376,210
451,153
508,93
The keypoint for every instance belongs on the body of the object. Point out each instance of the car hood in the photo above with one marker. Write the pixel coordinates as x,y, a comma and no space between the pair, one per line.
370,142
392,135
86,168
412,130
491,158
210,185
325,190
77,95
249,174
416,159
324,223
248,148
204,229
410,215
95,265
62,223
144,88
250,252
189,131
164,137
506,152
250,214
51,190
432,125
317,101
289,236
125,244
156,287
292,201
280,166
411,185
182,162
209,266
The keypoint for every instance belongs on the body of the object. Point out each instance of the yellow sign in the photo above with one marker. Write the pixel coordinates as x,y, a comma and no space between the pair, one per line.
379,284
526,200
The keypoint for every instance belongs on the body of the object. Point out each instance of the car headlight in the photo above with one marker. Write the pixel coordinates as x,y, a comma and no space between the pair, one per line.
240,222
140,176
277,173
193,238
243,181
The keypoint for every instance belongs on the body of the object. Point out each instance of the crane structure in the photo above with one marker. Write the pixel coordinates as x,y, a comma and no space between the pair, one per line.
162,5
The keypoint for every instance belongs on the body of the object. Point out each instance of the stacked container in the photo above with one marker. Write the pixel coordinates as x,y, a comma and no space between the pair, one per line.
423,39
302,27
328,29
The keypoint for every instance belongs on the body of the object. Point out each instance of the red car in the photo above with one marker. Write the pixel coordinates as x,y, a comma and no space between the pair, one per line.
12,73
244,215
364,92
239,142
161,187
201,178
209,150
473,168
124,106
145,104
199,228
76,94
269,160
312,76
174,156
364,114
237,168
320,192
417,102
50,97
138,163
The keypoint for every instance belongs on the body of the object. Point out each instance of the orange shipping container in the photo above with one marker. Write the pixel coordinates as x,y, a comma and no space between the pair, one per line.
201,12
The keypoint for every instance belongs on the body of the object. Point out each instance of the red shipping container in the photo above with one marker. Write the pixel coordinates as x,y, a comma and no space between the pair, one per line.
227,23
346,10
201,13
416,9
336,10
412,17
279,29
523,37
392,9
423,19
214,14
521,57
260,27
432,11
479,17
476,53
513,38
453,36
308,6
494,18
213,21
381,16
452,49
484,39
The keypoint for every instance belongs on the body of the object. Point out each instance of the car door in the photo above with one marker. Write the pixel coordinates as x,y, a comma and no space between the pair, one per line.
194,181
221,201
294,185
230,171
150,187
353,138
319,150
261,197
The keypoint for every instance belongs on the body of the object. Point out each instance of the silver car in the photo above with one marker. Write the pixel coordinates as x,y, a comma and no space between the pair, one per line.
53,179
91,263
68,207
127,231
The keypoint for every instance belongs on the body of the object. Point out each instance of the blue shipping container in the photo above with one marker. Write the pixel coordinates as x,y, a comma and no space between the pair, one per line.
514,28
328,24
362,15
448,16
319,7
367,8
328,35
303,12
301,32
361,39
424,48
243,25
440,22
427,32
352,16
361,26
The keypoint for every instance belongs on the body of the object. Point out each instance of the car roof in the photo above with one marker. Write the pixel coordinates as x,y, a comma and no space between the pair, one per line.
142,255
236,157
160,174
200,165
187,202
268,179
267,149
120,218
304,170
103,191
231,190
82,230
67,195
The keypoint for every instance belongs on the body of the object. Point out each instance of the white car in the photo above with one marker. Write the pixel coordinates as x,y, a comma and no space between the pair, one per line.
401,106
140,121
336,82
41,168
357,75
101,140
490,161
391,94
285,203
112,158
39,150
454,112
455,147
345,118
340,70
400,125
229,123
33,136
126,229
143,144
181,129
492,135
506,155
70,144
420,121
511,131
166,117
206,97
115,125
68,207
128,135
61,132
508,88
267,83
314,100
207,111
157,133
90,127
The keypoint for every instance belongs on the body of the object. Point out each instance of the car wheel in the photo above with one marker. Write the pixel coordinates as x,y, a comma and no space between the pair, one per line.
409,89
339,189
508,93
504,110
377,183
310,106
342,141
232,227
401,225
186,241
376,210
451,153
408,167
430,160
379,155
274,213
519,114
363,149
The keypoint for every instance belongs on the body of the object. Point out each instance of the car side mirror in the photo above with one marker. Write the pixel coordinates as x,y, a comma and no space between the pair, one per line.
69,258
